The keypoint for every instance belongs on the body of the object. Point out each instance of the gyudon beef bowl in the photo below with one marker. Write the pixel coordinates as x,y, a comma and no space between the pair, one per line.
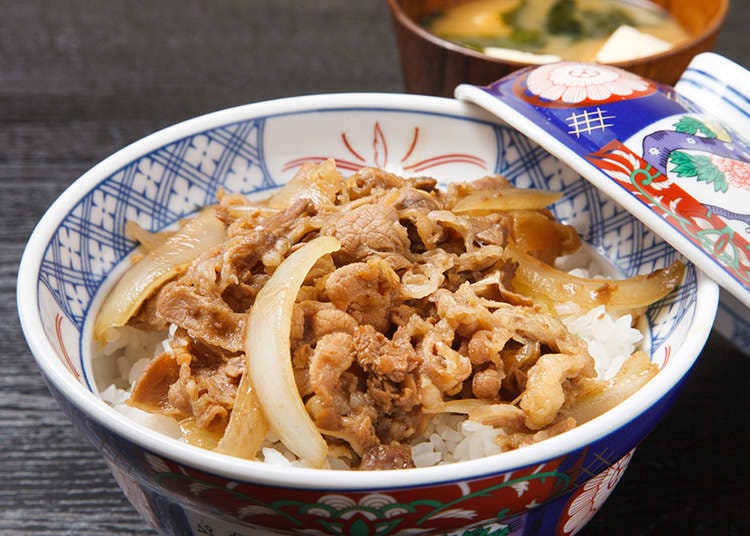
362,313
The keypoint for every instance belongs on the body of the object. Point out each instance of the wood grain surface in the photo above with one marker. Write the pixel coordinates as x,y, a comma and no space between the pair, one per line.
79,79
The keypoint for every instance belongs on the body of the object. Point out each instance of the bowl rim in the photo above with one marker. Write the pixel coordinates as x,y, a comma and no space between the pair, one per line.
302,478
409,23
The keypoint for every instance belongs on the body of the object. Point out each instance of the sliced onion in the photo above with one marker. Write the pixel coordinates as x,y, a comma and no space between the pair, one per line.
194,435
247,427
148,241
349,437
320,183
488,201
462,406
161,264
547,285
432,397
502,415
269,362
592,397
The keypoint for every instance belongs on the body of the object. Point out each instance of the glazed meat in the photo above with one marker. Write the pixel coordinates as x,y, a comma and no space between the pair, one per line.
382,457
368,230
190,380
414,315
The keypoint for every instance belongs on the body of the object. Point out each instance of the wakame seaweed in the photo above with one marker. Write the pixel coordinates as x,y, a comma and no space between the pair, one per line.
561,19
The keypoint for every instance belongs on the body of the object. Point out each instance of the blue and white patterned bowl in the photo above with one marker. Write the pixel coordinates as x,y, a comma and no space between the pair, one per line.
553,485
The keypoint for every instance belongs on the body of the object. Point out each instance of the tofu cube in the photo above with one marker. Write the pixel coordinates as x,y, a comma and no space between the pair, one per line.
628,43
520,56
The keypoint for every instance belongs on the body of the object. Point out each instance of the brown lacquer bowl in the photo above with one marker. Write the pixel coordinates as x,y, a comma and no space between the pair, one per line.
434,66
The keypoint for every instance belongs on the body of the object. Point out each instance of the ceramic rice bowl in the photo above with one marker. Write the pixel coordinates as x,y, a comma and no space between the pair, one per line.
554,486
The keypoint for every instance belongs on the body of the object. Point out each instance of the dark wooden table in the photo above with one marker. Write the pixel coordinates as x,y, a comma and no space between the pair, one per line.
81,78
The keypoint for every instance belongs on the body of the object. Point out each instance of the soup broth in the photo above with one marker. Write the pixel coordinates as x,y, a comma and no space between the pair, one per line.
570,29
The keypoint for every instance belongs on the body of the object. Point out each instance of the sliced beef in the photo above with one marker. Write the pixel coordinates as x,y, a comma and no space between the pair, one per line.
207,318
375,353
311,320
545,386
147,317
270,238
151,391
190,381
381,457
365,290
368,181
331,358
486,383
208,300
388,405
368,229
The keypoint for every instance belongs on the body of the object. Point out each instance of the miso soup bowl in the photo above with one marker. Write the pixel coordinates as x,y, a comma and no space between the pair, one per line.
434,66
554,486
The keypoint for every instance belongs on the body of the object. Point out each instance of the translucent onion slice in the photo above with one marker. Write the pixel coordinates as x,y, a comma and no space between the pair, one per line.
592,397
148,241
247,427
161,264
547,285
488,201
268,357
462,406
502,415
321,183
197,436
